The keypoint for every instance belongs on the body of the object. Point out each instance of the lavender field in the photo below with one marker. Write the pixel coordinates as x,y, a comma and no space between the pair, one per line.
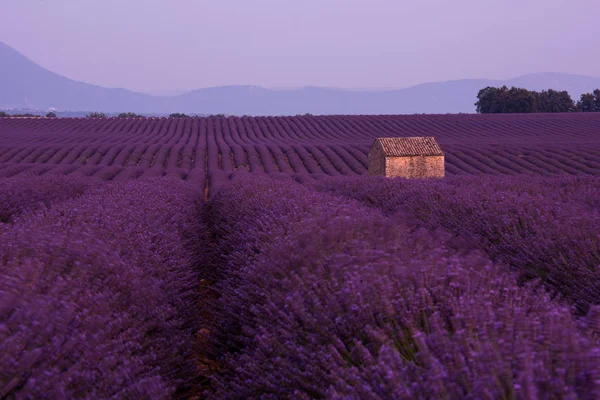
254,258
209,151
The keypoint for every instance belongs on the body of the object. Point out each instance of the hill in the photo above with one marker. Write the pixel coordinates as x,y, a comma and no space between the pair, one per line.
26,84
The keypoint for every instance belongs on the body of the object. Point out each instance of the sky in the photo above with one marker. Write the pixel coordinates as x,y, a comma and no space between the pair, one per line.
161,45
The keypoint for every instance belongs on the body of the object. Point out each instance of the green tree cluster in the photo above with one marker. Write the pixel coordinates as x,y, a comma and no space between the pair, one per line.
589,102
96,115
51,115
129,115
491,100
178,115
3,114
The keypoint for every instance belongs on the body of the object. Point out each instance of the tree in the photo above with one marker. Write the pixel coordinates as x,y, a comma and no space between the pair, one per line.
3,114
589,102
51,115
129,115
519,100
551,101
586,103
492,100
178,115
96,115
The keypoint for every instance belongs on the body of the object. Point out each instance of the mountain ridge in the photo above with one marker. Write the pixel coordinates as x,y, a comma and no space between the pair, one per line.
25,84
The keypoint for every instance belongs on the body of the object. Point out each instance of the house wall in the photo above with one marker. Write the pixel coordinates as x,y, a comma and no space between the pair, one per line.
376,160
415,167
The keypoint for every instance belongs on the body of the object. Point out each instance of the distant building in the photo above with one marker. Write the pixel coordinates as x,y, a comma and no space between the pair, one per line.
406,157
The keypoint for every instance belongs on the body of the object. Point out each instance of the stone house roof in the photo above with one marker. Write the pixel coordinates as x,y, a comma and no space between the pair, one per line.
410,146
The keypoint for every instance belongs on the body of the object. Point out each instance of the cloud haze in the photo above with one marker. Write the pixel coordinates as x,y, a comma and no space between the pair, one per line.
186,44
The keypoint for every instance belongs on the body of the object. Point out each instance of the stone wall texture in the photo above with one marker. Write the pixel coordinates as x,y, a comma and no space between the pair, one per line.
377,160
415,167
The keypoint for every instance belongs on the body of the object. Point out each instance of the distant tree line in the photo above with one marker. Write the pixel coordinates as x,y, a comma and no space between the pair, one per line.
5,114
181,115
129,115
493,100
48,115
96,114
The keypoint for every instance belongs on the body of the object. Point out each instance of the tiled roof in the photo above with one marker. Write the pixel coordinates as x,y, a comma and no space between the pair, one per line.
410,146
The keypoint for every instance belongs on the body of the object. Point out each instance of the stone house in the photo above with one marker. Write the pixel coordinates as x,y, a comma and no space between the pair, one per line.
406,157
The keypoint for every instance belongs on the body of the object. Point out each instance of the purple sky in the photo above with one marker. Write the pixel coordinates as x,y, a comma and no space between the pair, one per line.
188,44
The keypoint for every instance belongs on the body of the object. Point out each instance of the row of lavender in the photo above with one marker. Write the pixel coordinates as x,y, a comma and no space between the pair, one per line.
322,296
374,289
331,145
518,127
205,146
98,287
542,227
333,159
210,167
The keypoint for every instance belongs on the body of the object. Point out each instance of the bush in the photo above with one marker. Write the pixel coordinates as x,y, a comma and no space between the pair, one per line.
323,298
543,227
103,295
24,193
96,115
129,115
